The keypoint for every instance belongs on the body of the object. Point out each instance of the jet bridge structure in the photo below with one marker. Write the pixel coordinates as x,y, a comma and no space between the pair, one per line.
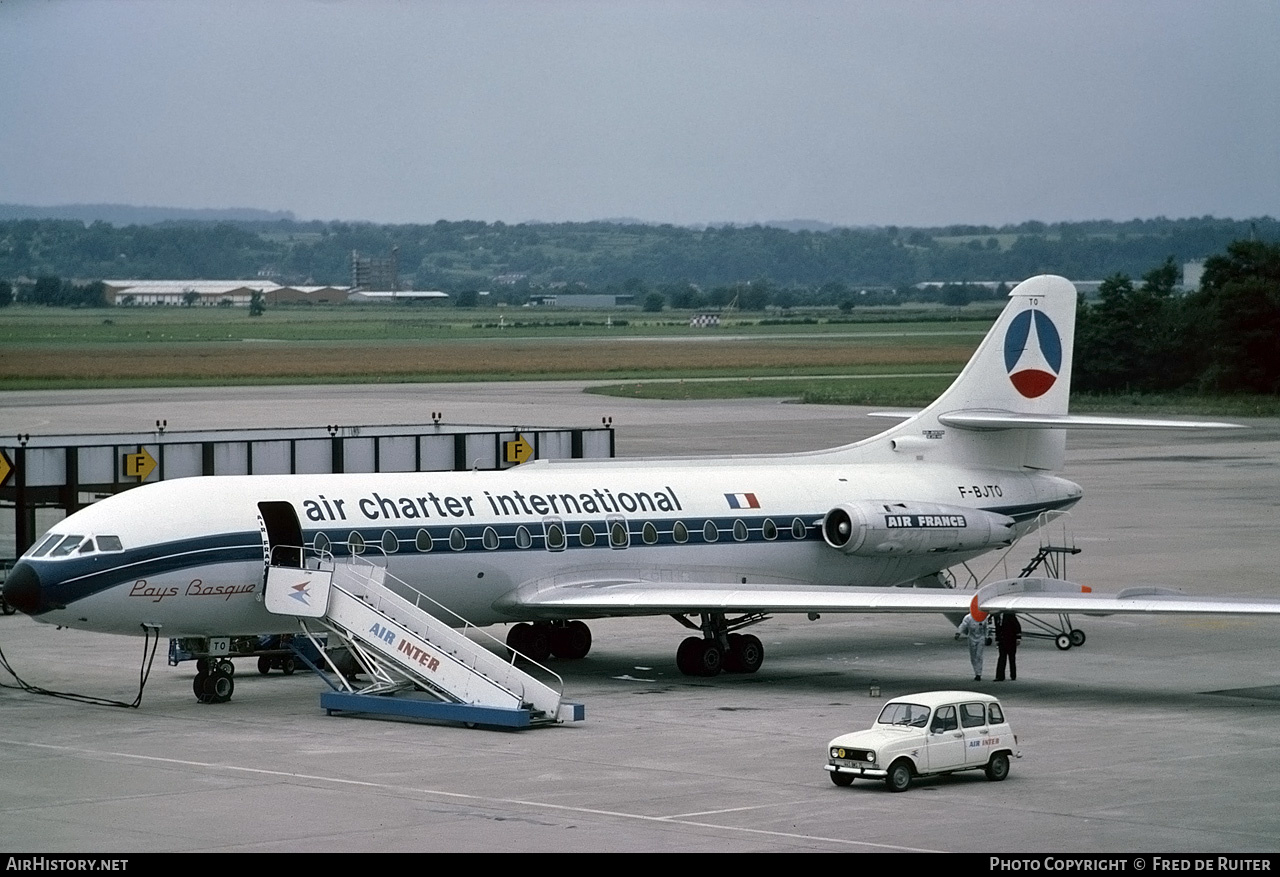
416,653
44,478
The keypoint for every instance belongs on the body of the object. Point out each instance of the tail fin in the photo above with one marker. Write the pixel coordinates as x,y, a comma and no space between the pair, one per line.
1003,409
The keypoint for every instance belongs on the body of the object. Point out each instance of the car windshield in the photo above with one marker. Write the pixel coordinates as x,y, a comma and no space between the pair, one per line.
911,714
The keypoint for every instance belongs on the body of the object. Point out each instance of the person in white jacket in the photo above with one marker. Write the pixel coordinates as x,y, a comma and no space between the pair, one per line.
976,632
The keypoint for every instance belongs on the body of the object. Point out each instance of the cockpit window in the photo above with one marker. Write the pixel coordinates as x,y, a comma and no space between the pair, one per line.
49,541
66,546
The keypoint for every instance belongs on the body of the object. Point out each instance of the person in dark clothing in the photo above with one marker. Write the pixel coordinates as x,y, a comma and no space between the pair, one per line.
1008,633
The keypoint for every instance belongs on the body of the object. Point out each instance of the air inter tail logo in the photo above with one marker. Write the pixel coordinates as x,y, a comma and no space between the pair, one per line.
1032,353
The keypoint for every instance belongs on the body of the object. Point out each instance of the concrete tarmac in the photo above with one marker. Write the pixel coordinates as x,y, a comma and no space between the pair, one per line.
1157,735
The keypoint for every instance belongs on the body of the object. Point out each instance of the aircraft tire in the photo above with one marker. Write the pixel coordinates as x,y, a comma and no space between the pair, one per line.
518,637
572,641
1077,637
686,656
537,642
746,655
218,687
710,658
1062,641
197,686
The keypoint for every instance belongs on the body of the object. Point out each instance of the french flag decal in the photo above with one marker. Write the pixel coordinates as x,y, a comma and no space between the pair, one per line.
742,500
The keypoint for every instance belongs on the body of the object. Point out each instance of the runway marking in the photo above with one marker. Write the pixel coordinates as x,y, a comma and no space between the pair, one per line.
481,799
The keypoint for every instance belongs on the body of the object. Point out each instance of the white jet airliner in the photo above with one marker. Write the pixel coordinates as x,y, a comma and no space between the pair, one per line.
717,543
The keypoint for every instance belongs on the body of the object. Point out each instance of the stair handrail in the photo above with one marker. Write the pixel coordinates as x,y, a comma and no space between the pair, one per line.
465,626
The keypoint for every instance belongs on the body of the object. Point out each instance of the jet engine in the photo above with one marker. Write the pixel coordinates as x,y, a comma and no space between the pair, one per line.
875,529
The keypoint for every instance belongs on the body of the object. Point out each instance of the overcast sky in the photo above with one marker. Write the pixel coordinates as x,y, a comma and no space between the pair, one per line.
855,113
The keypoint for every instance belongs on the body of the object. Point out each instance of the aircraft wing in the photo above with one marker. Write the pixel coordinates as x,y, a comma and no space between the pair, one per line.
1032,596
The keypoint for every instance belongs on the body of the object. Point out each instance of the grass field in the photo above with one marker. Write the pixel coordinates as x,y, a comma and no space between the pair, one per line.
891,357
49,348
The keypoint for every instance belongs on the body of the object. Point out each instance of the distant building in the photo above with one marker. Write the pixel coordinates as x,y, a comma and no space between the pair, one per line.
1192,274
589,301
194,293
372,272
216,293
394,296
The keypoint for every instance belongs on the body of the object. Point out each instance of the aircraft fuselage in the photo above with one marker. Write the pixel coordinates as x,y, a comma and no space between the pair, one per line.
193,551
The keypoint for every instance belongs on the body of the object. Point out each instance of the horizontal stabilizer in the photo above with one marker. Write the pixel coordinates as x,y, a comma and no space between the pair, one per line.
995,420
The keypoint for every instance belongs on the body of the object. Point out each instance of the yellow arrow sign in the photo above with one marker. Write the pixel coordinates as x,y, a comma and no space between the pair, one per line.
6,467
517,451
139,465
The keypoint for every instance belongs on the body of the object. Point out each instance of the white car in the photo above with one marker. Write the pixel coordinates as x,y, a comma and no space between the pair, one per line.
925,734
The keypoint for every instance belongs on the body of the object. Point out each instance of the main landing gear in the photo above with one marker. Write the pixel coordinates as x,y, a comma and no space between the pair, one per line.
717,649
540,640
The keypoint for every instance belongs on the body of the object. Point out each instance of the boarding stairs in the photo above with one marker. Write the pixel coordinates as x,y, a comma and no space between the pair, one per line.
410,646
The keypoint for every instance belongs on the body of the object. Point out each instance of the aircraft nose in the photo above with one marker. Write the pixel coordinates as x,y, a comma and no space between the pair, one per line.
22,588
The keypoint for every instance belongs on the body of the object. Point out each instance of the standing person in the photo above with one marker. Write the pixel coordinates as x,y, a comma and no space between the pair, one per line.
1008,632
976,633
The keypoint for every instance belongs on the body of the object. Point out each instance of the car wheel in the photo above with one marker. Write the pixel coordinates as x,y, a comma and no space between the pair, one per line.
841,779
899,777
998,767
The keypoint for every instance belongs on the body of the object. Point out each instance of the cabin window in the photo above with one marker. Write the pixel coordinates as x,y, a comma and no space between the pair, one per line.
390,544
798,529
554,531
489,539
680,532
618,535
740,530
709,532
586,536
355,542
769,529
457,541
320,543
423,541
524,539
649,533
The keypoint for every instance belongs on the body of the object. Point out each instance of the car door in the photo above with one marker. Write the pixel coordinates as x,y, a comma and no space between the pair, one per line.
944,747
977,733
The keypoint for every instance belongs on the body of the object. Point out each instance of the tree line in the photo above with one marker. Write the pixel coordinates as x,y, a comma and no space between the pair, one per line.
455,256
1222,337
